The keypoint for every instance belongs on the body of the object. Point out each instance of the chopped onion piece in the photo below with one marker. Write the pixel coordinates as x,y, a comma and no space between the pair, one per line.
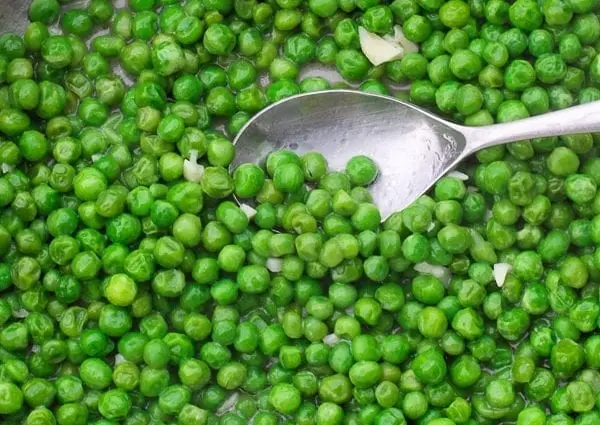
488,215
193,155
331,339
377,49
248,210
35,348
472,189
119,359
228,404
500,271
192,171
441,272
6,168
431,226
274,265
96,157
458,175
20,313
399,38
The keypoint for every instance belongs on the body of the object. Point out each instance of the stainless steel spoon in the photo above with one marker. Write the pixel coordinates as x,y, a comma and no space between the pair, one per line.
412,147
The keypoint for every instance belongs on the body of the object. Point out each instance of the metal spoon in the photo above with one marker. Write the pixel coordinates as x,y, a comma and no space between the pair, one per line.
412,147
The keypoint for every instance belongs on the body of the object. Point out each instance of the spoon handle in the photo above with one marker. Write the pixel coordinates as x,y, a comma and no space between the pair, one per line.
577,119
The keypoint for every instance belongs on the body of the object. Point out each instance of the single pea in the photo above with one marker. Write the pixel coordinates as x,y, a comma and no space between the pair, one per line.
12,398
465,64
361,170
219,39
454,14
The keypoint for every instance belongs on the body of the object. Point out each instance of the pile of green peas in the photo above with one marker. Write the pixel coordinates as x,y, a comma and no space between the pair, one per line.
135,291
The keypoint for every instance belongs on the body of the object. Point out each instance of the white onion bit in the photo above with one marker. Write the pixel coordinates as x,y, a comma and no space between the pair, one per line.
331,339
458,175
193,155
192,171
6,168
274,265
248,210
377,49
96,157
399,38
500,271
441,272
20,313
119,359
228,404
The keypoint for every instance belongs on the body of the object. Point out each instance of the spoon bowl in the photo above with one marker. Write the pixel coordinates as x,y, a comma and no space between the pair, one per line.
412,147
